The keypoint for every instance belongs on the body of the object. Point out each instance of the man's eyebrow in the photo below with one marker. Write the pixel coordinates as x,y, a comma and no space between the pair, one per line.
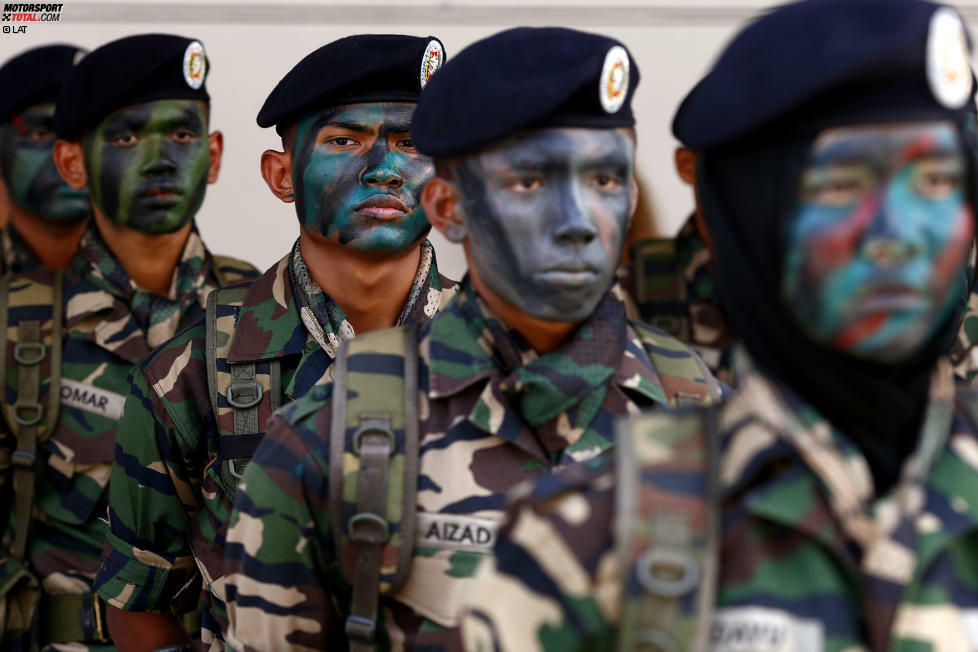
345,124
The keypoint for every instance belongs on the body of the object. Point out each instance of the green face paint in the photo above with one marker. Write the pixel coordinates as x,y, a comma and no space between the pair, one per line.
358,177
28,167
147,164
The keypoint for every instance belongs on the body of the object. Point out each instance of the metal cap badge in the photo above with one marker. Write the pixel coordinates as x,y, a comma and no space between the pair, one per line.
194,65
434,56
613,84
948,69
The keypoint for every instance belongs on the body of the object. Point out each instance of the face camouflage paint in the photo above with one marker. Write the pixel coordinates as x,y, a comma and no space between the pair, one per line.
876,250
358,177
546,213
28,168
147,164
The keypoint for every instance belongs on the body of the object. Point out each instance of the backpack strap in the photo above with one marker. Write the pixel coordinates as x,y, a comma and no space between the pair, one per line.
373,469
686,380
229,271
32,319
240,394
667,528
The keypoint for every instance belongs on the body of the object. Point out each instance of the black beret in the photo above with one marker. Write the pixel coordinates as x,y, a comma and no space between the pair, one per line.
361,68
826,62
35,76
525,77
129,71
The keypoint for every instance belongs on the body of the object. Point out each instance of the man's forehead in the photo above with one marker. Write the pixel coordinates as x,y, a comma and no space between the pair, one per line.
564,143
366,114
162,110
937,133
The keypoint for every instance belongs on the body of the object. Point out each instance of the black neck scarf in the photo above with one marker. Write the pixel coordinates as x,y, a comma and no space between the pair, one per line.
748,191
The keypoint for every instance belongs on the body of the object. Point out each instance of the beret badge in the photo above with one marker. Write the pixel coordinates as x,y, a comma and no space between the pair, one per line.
194,65
433,57
948,70
613,84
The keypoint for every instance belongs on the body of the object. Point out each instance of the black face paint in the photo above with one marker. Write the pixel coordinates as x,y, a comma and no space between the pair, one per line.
546,213
358,177
147,164
32,180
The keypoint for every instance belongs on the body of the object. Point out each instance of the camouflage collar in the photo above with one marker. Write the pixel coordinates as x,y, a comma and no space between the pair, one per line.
17,254
268,325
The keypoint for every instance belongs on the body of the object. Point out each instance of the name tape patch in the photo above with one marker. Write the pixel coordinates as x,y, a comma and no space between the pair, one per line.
451,532
759,629
92,399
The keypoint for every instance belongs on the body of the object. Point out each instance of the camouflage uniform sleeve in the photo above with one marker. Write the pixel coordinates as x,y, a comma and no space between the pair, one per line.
147,562
279,547
8,444
554,583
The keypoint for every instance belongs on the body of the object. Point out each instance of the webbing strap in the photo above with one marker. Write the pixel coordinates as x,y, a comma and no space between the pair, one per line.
667,539
378,485
73,618
28,353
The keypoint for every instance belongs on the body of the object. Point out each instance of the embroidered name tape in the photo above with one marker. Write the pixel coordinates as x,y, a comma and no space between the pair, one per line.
759,629
92,399
450,532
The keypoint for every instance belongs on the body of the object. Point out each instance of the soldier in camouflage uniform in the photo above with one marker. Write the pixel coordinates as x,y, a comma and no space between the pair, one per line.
47,216
838,512
361,262
522,373
141,273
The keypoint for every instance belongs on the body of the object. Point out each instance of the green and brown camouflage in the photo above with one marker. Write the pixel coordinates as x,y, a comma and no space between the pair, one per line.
675,291
169,503
17,256
103,339
964,350
492,412
811,560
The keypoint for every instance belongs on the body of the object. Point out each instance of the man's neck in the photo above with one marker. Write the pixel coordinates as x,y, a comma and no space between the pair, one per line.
54,243
370,289
543,336
149,260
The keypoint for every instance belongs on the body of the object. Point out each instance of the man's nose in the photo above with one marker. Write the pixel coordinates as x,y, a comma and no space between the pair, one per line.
575,224
158,159
382,168
892,237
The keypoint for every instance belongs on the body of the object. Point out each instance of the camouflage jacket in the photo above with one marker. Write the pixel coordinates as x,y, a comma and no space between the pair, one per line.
492,414
17,254
964,352
673,286
809,559
169,505
103,338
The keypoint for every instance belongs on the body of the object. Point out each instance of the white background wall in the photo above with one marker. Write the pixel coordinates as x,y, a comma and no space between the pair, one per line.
252,44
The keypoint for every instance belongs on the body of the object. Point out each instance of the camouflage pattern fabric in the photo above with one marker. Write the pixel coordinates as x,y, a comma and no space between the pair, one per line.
103,340
492,414
810,559
169,505
675,291
17,255
964,352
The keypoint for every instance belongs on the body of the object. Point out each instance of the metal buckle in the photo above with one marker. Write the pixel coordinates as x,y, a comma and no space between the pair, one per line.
360,535
233,471
21,356
654,640
361,630
375,424
24,459
238,388
19,417
656,558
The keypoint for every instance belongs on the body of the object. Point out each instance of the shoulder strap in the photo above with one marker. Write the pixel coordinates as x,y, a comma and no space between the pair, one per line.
31,317
686,379
242,396
230,270
667,528
373,469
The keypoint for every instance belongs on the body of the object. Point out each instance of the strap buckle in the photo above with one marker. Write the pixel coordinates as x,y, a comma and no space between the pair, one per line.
244,389
29,353
375,424
368,528
23,459
28,414
361,630
655,560
234,471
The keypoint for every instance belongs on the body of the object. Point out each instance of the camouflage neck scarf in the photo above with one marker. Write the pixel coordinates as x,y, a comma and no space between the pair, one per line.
558,393
327,322
17,254
158,316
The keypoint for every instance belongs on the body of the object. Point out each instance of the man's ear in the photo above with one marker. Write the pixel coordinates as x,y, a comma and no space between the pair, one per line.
686,165
441,202
276,169
69,158
632,197
215,144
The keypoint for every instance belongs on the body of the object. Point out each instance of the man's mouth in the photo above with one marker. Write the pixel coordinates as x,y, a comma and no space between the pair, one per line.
887,297
383,207
569,274
161,195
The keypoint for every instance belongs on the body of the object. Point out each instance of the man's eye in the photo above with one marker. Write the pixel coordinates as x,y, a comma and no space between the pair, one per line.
123,139
341,141
406,143
184,136
836,191
526,184
607,182
933,182
39,133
